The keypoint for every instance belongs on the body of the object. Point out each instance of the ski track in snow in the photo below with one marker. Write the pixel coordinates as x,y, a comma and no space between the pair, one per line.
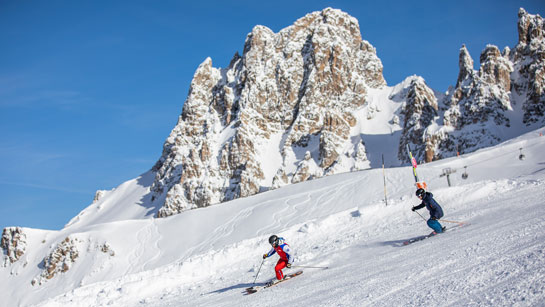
489,281
138,251
497,259
154,236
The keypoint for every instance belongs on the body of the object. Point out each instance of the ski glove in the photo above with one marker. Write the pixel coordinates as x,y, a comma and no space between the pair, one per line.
265,256
413,209
288,265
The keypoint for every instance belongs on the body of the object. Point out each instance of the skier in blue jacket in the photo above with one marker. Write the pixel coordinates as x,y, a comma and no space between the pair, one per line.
436,212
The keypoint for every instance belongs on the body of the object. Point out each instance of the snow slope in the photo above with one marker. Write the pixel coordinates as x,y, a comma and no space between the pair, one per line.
206,257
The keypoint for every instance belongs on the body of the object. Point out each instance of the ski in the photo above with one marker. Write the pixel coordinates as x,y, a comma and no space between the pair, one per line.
254,289
419,184
413,240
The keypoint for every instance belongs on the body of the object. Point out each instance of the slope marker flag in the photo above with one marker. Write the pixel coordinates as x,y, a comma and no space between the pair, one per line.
384,176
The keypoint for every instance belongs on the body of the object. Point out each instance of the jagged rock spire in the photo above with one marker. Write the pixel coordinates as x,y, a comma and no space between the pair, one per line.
529,62
466,66
530,27
418,113
495,68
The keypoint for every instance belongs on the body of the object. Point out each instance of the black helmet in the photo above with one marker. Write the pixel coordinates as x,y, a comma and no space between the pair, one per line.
420,192
273,240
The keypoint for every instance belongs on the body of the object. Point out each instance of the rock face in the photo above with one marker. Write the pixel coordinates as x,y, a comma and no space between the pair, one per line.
253,123
13,244
289,108
98,195
479,100
419,112
529,67
60,260
481,108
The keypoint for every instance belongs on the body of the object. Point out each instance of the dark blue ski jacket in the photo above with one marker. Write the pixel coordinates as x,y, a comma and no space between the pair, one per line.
436,212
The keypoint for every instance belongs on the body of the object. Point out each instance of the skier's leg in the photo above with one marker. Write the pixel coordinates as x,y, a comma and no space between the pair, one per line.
435,225
278,268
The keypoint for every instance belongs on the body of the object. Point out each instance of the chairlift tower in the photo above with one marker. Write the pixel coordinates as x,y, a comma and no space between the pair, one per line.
446,172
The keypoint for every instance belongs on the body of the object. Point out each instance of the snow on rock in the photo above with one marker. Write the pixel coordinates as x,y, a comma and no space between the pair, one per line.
482,96
60,260
360,157
419,112
490,105
98,195
466,67
13,244
529,69
304,83
476,110
316,87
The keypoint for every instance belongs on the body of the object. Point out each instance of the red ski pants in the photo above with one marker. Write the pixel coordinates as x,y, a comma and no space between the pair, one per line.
278,268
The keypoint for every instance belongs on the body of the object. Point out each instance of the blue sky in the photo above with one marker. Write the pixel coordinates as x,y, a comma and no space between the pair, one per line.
89,90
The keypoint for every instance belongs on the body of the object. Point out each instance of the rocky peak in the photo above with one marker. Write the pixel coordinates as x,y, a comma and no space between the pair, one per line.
479,100
529,67
466,66
477,107
472,100
418,113
495,68
530,28
299,87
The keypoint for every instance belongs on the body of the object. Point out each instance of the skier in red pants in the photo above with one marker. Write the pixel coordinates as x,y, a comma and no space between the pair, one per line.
283,250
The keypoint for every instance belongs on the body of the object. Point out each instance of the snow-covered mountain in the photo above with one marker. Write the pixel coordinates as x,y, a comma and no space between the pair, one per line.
284,112
290,136
207,256
311,101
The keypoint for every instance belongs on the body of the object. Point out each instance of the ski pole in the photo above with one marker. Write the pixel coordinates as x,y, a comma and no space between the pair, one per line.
420,215
453,222
259,270
447,221
310,267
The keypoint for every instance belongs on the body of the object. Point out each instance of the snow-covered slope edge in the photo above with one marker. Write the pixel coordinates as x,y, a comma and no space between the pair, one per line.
106,206
206,256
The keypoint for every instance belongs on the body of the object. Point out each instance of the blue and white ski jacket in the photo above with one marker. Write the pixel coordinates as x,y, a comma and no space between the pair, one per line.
436,212
283,250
